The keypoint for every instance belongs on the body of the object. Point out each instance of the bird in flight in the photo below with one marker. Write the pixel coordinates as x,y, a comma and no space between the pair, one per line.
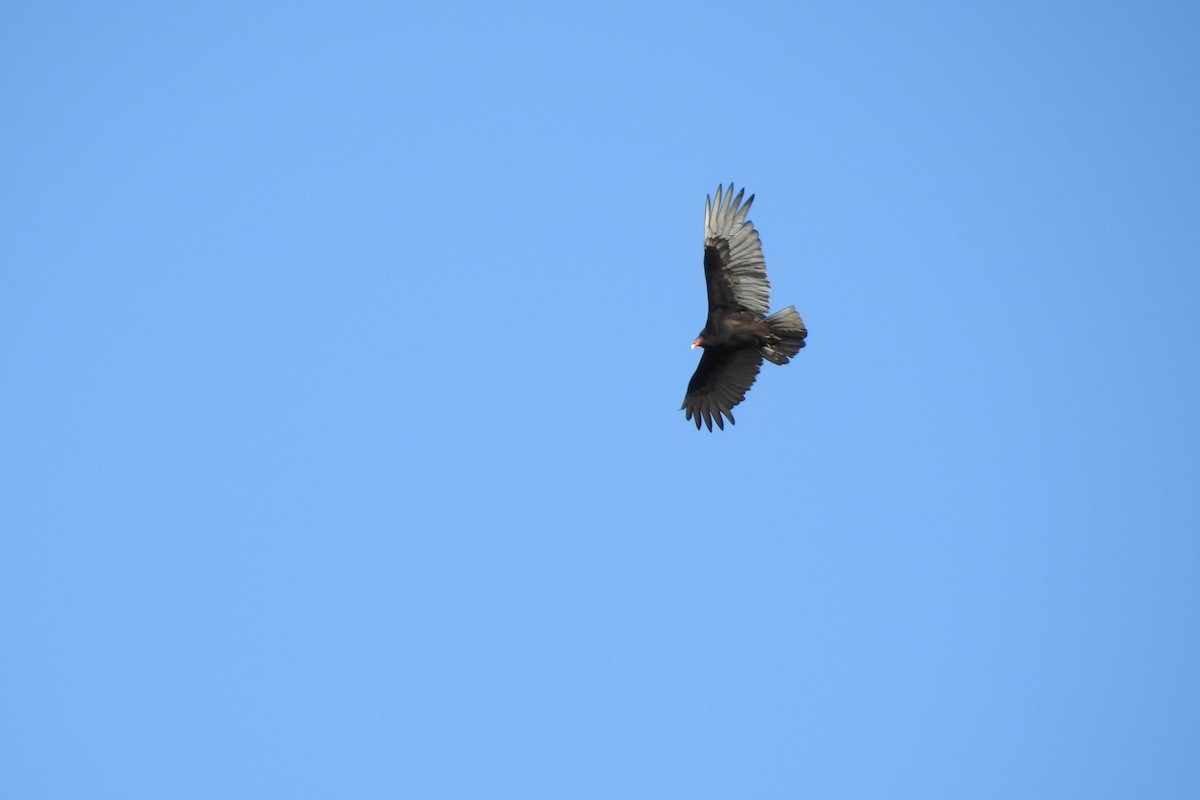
738,334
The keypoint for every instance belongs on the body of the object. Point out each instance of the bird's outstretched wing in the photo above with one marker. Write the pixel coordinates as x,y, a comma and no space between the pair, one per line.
734,267
720,383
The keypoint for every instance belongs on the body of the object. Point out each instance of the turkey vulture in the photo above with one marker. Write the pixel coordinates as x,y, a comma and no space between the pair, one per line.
738,334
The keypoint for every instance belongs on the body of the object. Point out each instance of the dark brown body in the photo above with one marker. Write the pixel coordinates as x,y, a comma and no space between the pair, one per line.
737,329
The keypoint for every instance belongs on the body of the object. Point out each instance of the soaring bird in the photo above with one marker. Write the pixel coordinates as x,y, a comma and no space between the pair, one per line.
738,334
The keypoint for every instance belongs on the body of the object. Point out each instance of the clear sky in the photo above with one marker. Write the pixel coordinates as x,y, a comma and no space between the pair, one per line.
342,348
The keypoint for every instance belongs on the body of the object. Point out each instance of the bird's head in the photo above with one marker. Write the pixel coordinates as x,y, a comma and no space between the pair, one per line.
699,341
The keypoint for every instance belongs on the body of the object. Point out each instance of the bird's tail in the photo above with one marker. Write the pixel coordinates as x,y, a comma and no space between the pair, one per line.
790,332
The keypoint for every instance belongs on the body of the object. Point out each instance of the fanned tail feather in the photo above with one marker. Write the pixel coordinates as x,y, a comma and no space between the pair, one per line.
789,328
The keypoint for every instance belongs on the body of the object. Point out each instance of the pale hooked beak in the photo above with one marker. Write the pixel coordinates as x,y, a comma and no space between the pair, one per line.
696,343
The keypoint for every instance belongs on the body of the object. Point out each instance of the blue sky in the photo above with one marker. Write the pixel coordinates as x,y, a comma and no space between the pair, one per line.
342,350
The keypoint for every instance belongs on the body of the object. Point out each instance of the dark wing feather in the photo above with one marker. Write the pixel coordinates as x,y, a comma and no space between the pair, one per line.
734,267
720,383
